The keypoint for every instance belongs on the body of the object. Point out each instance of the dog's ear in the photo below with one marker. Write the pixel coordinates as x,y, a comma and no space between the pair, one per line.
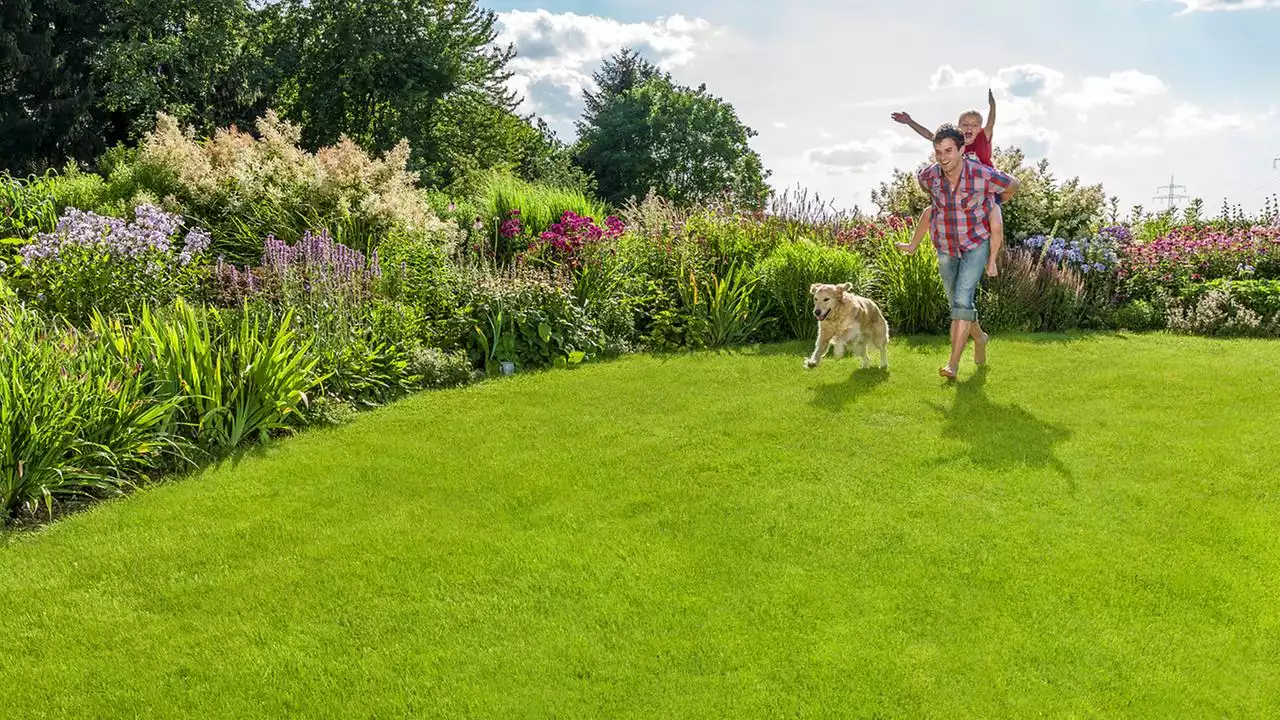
814,288
847,287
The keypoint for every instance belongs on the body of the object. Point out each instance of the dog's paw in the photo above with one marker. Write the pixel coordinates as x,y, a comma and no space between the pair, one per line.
810,364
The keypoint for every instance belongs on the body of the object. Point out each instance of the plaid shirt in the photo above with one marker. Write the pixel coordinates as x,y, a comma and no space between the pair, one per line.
960,218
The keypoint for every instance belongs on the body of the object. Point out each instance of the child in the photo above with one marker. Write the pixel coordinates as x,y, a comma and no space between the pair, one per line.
977,146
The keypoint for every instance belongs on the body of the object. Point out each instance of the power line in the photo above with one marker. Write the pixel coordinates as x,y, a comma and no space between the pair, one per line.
1171,196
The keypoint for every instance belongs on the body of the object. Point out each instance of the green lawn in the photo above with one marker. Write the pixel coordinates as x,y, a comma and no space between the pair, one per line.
1089,529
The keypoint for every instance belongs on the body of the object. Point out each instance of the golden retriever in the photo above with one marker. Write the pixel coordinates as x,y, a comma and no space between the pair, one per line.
847,319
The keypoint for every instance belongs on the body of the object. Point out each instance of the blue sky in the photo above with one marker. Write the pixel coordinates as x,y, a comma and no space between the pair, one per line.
1122,92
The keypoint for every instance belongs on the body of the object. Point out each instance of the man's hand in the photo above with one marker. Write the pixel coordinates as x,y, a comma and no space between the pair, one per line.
908,248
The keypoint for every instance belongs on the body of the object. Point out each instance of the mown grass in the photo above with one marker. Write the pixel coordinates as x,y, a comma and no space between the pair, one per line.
1088,528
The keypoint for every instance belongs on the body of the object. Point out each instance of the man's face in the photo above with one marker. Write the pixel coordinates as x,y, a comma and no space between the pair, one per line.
948,154
970,125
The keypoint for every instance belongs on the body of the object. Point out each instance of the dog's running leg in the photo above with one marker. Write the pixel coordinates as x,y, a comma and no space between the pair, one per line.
862,352
837,350
884,356
824,339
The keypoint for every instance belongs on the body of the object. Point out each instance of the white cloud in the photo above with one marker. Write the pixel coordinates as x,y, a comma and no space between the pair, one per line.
947,77
1123,88
893,102
1128,148
1193,6
1028,81
1188,120
556,53
780,125
860,155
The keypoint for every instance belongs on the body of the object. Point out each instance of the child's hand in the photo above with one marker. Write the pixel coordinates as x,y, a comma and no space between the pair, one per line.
901,117
991,97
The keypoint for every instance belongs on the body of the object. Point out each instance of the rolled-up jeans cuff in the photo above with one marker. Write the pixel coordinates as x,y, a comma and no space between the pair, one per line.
962,314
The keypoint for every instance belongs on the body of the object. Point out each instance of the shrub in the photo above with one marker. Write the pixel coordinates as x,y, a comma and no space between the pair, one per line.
1138,316
1189,255
787,273
359,343
244,188
526,319
1097,261
239,376
440,369
908,288
1218,312
1030,294
75,420
729,238
1227,307
537,206
25,207
722,310
90,262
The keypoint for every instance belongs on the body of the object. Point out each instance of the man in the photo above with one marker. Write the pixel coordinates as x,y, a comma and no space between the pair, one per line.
963,193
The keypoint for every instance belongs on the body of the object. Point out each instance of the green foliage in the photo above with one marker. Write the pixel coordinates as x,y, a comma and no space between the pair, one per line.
75,420
50,110
1138,316
643,132
386,70
547,160
437,368
908,288
237,380
1031,295
24,209
787,274
530,322
1041,206
91,265
901,194
199,62
245,187
1249,308
538,205
723,309
418,273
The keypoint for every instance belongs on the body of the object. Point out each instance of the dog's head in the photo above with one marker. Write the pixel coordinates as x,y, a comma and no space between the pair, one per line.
827,297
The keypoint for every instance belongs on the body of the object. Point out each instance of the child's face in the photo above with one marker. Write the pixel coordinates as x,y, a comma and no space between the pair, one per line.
970,126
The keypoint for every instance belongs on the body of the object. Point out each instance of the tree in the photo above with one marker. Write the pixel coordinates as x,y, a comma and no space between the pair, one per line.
48,100
1041,206
382,70
547,159
196,61
642,131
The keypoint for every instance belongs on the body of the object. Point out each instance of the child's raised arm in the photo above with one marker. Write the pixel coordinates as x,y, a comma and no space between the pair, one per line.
905,119
991,115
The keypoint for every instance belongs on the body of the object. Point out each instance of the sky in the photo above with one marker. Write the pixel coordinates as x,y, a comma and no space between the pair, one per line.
1128,93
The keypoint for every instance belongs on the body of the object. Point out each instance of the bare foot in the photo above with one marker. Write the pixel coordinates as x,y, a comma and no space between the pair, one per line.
980,350
946,372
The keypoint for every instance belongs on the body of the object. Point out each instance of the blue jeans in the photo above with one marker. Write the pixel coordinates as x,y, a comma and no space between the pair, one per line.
960,277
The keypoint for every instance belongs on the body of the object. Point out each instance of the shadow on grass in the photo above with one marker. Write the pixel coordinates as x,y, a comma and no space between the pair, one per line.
1001,437
835,396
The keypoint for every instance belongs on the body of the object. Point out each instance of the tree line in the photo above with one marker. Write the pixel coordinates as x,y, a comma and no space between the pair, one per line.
78,77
